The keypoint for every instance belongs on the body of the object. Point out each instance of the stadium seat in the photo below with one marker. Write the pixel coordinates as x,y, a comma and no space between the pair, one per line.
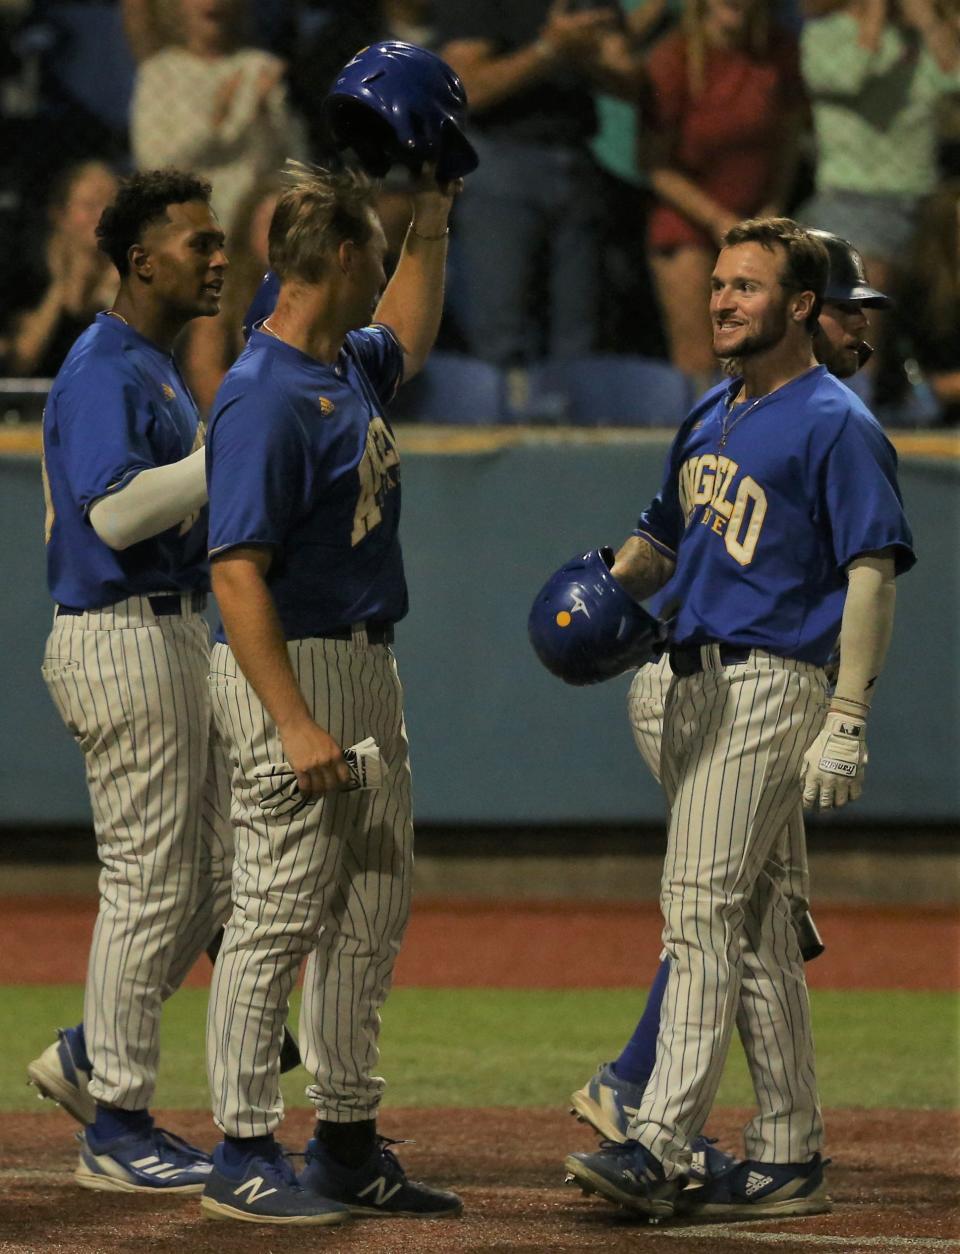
453,388
609,390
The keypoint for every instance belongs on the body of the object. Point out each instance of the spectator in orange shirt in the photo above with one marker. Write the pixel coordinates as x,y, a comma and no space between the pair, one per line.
725,105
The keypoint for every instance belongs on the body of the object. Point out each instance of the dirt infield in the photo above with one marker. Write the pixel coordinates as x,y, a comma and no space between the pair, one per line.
472,944
895,1187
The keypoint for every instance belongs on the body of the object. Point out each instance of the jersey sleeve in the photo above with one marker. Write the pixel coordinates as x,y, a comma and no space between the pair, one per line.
255,472
103,420
662,522
861,496
377,350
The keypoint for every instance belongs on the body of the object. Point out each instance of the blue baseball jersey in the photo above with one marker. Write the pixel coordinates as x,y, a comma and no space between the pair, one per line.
301,459
117,406
762,525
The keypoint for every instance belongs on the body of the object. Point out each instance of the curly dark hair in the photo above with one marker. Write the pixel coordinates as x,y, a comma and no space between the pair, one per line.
142,199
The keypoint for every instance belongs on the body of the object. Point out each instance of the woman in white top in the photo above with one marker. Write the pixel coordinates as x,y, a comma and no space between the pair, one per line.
211,105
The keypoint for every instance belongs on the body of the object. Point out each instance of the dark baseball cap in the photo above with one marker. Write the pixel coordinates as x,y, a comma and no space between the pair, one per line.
848,280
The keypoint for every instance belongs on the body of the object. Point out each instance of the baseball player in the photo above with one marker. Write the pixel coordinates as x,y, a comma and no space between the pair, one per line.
126,663
307,571
611,1097
781,524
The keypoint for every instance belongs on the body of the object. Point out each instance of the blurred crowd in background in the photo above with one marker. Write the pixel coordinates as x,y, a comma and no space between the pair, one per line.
617,143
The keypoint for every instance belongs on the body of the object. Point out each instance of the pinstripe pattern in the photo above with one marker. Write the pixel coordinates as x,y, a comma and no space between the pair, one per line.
646,701
132,689
733,743
330,885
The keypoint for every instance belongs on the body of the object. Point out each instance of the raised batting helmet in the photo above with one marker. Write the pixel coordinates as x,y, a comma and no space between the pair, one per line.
847,281
585,627
397,102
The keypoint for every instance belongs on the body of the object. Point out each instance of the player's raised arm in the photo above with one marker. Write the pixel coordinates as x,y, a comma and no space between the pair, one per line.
413,301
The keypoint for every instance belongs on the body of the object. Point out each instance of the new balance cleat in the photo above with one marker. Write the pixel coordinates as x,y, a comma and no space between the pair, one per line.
379,1187
62,1073
628,1174
607,1103
266,1191
143,1162
754,1190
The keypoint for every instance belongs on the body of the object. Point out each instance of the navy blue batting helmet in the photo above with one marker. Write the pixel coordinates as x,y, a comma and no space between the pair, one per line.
397,102
585,627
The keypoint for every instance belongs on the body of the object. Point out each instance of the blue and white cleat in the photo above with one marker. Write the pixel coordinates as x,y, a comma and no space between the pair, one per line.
607,1103
628,1174
62,1073
755,1190
378,1187
707,1162
266,1191
143,1162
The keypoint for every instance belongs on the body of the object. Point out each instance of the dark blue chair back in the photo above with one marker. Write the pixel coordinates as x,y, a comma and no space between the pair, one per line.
609,391
453,388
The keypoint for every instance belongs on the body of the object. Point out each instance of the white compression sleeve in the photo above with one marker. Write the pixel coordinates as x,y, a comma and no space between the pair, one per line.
151,502
865,631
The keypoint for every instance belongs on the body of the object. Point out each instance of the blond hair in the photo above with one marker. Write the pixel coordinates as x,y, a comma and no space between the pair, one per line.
315,214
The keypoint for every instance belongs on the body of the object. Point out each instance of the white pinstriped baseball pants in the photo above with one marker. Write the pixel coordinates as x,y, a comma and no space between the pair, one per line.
330,885
132,689
733,745
646,701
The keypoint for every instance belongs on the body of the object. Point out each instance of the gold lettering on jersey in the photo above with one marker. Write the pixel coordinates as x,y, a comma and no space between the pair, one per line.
49,512
738,517
378,476
751,504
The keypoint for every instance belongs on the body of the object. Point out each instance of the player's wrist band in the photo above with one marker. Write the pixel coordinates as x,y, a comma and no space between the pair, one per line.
429,238
852,709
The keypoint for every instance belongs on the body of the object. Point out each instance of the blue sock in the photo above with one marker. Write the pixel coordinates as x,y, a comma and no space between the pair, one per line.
635,1064
237,1150
111,1124
80,1047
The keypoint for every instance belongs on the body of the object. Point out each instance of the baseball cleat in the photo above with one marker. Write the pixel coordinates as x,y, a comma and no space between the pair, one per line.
706,1163
266,1191
144,1162
62,1073
754,1190
628,1174
607,1103
379,1187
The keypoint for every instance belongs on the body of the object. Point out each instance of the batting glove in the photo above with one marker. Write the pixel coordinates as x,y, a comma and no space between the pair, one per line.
834,765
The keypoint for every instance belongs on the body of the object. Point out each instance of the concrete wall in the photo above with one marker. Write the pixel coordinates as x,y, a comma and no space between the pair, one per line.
494,737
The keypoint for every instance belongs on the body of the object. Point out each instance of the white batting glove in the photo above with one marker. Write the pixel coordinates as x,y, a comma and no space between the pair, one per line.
834,765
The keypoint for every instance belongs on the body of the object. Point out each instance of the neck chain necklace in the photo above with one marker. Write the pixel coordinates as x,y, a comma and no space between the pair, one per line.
119,317
265,326
726,427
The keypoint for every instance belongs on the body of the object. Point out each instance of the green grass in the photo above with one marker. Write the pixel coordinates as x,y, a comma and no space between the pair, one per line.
494,1047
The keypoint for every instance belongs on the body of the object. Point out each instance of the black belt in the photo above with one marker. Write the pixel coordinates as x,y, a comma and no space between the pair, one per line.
162,603
685,658
377,633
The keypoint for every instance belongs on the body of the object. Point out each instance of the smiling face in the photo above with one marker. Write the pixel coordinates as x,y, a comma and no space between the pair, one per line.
182,258
839,336
748,303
